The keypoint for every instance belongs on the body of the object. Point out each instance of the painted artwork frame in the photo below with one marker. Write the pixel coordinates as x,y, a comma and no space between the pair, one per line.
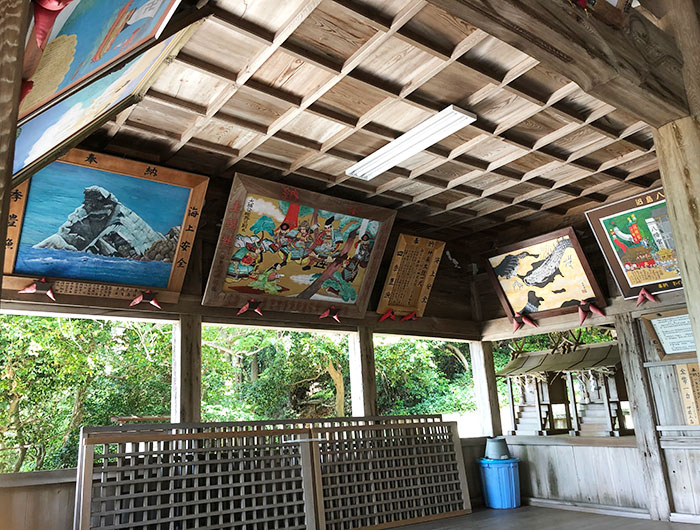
47,135
83,258
651,240
95,33
579,284
664,327
320,254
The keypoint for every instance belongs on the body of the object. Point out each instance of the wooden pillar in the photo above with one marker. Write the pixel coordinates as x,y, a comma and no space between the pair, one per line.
186,394
485,389
13,24
654,473
678,148
363,381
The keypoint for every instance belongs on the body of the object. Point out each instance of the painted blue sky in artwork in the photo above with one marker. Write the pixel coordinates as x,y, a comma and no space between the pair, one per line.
57,190
90,21
45,131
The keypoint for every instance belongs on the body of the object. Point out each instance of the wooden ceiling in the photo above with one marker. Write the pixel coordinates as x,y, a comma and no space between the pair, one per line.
300,90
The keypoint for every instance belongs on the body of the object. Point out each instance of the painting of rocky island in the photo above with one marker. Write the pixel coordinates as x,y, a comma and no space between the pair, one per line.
87,224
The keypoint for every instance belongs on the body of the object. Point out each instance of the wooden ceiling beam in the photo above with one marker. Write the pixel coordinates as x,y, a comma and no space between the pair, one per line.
364,51
565,204
288,27
636,68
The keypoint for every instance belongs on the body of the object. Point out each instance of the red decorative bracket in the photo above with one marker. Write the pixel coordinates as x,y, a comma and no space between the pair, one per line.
332,312
252,305
389,314
410,316
40,287
148,297
520,319
585,308
645,296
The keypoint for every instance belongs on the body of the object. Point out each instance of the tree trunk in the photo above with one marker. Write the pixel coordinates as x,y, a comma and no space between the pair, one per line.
254,367
330,270
459,355
337,377
20,439
76,417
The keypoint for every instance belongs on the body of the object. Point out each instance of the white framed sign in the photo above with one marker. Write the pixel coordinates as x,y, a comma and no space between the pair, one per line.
671,333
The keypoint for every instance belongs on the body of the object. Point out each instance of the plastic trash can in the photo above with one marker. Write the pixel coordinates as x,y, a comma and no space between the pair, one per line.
501,482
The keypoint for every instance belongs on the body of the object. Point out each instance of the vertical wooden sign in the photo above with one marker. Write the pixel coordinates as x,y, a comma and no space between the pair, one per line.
411,275
689,385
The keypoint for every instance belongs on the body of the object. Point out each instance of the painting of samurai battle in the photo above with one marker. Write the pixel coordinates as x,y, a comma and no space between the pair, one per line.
636,239
299,245
544,274
82,37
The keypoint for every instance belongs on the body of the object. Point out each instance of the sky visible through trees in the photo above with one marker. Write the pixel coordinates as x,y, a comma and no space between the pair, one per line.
58,374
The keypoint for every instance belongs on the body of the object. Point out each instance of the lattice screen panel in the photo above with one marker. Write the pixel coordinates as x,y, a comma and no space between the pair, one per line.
390,474
244,480
339,473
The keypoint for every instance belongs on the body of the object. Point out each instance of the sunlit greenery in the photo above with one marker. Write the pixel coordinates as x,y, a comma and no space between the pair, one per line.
61,374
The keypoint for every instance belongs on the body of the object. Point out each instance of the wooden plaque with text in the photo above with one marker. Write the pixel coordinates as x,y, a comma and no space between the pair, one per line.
411,275
689,386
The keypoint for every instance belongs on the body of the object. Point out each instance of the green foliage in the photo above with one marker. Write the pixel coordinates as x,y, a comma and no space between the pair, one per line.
61,374
422,377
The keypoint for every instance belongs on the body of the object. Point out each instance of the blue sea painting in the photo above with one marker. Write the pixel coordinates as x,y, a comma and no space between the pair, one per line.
89,35
42,133
82,223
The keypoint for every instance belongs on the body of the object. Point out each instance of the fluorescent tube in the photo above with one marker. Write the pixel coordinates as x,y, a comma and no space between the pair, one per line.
429,132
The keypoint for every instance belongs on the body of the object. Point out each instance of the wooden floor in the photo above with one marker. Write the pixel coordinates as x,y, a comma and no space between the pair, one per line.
534,518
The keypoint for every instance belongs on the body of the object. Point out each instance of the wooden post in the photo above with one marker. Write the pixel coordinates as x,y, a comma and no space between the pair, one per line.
606,401
485,390
363,381
654,474
572,403
538,405
511,402
186,394
13,26
678,148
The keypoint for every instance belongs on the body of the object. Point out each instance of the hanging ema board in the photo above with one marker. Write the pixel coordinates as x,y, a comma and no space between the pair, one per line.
296,250
548,275
81,39
103,226
46,135
411,275
636,239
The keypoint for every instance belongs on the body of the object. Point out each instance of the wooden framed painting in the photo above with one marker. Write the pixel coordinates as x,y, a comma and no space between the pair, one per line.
296,250
548,275
636,239
411,275
42,138
671,334
103,226
82,38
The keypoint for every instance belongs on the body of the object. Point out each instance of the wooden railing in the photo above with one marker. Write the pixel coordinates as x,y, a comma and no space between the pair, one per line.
336,474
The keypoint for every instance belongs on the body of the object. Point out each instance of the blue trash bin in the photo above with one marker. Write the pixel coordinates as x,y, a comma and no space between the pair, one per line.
501,482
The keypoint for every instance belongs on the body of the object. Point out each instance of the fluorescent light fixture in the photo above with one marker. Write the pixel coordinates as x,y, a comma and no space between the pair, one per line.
429,132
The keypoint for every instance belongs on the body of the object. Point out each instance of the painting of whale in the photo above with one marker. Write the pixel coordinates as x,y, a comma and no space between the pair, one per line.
543,274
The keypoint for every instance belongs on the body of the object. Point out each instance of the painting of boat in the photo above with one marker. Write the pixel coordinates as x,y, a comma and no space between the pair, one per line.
113,32
89,36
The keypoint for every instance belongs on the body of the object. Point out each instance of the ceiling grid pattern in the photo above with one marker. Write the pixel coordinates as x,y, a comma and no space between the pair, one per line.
299,91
